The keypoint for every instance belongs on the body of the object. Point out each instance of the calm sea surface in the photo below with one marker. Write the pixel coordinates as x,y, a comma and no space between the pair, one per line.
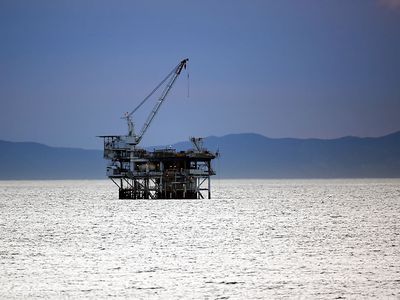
257,239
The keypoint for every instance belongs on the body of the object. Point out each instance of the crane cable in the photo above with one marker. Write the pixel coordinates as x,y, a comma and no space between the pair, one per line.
188,81
152,92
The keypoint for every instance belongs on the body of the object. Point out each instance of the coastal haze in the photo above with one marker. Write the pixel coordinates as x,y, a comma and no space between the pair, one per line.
241,156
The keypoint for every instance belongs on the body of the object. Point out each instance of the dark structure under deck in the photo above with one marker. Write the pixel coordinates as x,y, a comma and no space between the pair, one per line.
158,174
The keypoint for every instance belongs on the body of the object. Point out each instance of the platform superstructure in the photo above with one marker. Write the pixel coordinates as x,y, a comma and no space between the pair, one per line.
162,173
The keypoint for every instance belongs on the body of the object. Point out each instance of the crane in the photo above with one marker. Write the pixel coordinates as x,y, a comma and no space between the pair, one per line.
134,139
158,174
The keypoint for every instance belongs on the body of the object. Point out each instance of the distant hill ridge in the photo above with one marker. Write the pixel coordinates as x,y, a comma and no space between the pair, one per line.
28,160
245,155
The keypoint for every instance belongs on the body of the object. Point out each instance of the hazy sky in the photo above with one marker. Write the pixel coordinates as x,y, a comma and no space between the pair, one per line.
322,68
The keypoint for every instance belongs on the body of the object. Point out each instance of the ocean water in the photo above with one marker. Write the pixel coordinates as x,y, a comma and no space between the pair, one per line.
256,239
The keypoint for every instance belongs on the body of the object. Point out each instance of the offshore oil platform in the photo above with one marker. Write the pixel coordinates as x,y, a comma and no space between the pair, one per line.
159,174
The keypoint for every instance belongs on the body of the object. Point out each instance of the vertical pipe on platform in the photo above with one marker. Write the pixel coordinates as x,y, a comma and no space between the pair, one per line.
209,188
209,181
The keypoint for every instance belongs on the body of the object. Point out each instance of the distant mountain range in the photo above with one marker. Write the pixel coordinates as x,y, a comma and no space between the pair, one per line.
26,160
242,156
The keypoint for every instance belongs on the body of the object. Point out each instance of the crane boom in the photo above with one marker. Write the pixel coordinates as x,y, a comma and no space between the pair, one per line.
172,76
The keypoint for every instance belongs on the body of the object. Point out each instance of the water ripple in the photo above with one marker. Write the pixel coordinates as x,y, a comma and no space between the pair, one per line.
257,239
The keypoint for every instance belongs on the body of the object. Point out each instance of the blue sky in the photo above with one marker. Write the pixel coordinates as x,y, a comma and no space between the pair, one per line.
325,69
